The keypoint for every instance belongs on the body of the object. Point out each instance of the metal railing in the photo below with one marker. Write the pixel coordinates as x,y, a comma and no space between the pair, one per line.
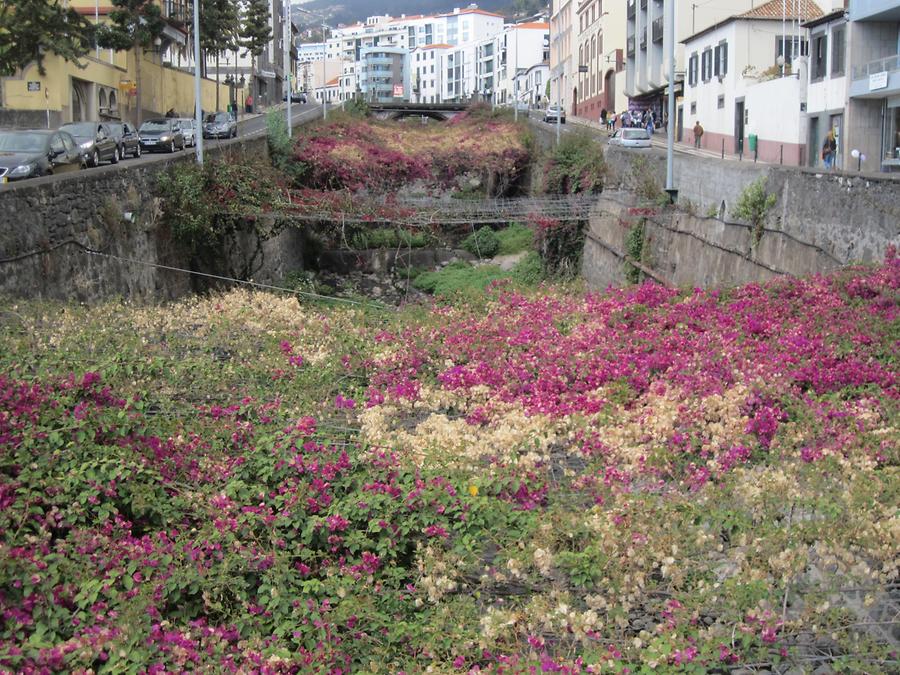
885,65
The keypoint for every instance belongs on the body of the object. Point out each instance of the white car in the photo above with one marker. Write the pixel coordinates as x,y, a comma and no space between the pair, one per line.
187,128
631,138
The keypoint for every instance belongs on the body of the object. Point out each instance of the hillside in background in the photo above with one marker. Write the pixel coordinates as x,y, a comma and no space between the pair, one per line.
351,11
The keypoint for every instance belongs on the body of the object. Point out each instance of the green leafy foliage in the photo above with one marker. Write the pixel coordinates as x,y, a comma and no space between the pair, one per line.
634,248
575,165
514,239
204,205
29,29
483,243
388,237
753,205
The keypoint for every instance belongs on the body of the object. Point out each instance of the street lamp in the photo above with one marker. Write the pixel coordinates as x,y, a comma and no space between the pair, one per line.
198,108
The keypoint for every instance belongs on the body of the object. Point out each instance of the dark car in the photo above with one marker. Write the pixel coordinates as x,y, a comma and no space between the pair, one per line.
296,97
127,138
95,140
220,125
161,134
28,154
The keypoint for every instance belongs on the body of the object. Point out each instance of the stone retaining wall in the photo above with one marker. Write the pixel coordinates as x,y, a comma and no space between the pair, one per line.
46,224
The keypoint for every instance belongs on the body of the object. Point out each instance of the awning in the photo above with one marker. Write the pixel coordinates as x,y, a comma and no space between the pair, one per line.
268,74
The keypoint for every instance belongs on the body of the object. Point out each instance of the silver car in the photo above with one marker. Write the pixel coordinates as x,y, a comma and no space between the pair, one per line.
188,129
631,138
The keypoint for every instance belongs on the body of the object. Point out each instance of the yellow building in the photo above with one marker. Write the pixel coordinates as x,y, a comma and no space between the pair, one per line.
105,84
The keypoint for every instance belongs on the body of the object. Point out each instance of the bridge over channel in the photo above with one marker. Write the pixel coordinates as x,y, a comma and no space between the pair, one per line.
401,109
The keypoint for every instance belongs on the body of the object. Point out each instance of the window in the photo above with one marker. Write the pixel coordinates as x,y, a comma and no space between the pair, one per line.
693,108
720,103
721,65
795,46
819,56
693,63
837,51
706,65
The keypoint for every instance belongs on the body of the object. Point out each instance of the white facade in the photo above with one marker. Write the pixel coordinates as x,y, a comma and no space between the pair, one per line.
600,80
533,85
734,88
563,52
460,30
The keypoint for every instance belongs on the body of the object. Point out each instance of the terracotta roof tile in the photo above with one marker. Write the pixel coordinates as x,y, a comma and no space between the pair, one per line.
772,10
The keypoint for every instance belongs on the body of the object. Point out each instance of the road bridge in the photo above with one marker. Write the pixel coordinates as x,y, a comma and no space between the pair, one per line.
401,109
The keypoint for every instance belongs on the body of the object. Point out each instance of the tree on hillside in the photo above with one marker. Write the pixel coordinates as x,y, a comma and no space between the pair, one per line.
134,25
219,25
29,29
255,33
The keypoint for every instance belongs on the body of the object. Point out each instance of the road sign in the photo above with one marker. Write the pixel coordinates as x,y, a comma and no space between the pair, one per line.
582,69
34,85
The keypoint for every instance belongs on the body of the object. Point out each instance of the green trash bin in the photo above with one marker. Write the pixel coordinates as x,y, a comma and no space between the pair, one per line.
753,139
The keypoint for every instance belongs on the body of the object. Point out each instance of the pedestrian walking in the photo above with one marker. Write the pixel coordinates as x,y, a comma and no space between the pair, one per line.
650,127
611,121
829,150
249,103
698,134
603,115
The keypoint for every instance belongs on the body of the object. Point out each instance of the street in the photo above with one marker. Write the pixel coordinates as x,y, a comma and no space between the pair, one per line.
252,126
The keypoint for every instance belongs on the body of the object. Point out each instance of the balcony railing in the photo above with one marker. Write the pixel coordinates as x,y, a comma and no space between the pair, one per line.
630,46
658,27
643,39
886,65
643,4
631,8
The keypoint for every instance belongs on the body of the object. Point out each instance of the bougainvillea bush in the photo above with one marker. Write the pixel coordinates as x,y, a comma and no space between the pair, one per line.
632,481
374,157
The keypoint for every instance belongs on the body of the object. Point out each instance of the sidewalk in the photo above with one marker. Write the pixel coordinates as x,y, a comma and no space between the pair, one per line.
659,141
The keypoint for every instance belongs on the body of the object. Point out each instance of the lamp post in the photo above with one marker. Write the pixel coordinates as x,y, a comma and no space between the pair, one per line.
287,64
198,108
670,130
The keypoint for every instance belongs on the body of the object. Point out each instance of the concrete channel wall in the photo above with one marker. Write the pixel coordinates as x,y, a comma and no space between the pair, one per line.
820,222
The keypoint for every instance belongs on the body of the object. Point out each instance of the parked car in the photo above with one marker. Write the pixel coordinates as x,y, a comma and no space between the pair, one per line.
188,130
161,134
127,138
553,112
29,154
630,138
220,125
96,141
296,97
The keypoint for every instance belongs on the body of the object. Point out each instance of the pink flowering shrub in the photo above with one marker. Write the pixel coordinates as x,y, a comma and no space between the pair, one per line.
643,480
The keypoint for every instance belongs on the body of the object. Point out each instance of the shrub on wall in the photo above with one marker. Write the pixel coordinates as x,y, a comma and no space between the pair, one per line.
753,205
484,243
575,165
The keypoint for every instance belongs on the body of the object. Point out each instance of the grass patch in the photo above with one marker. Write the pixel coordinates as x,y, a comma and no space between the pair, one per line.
386,237
515,238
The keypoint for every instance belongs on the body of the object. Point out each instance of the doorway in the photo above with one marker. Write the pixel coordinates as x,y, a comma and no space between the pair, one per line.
679,121
739,126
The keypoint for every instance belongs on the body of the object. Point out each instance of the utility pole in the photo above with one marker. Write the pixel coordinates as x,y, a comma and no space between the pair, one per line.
198,107
324,58
286,10
670,130
558,107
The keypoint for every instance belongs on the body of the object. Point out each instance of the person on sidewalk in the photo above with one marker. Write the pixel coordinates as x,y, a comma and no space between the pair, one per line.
603,118
829,150
698,134
611,121
249,103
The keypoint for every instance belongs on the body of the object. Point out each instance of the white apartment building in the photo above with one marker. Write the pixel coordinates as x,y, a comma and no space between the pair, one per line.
499,59
532,84
646,79
426,68
461,28
737,89
563,53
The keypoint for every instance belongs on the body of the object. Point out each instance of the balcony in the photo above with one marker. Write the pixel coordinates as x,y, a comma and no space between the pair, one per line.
874,10
631,9
643,40
630,46
876,79
643,4
658,29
